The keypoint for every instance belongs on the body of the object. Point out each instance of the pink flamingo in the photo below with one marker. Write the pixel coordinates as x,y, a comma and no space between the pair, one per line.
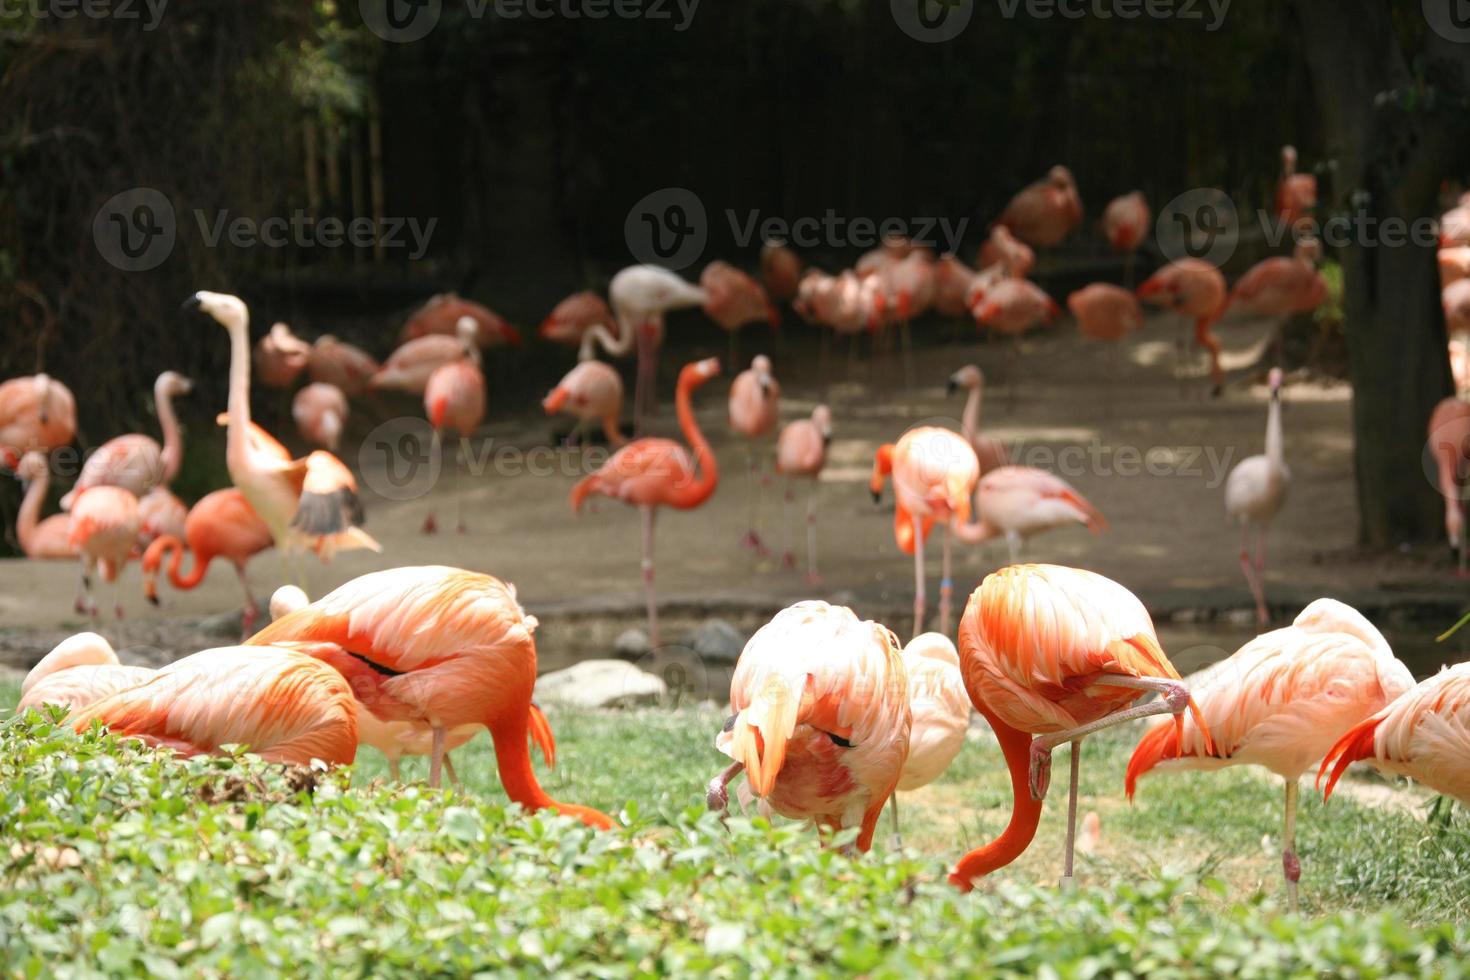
454,399
1019,502
1007,251
1296,194
1282,286
1454,264
104,531
320,411
409,367
37,413
221,525
1454,226
755,407
1449,444
590,392
48,538
1193,288
78,671
1281,701
441,315
280,357
952,280
650,473
735,299
801,452
1046,211
780,270
161,513
343,365
934,473
1012,306
1125,225
569,321
1455,299
941,714
1107,313
991,452
1254,493
906,291
136,462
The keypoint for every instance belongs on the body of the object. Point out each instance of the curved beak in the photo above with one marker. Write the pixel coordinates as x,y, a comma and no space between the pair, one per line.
191,304
951,387
877,496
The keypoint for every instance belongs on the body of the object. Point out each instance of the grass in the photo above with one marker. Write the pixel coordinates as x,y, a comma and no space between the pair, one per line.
120,860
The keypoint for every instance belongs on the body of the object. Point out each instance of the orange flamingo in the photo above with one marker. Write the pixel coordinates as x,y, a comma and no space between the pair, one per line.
991,452
104,531
1014,306
1057,653
755,407
934,472
1455,299
1424,735
1449,444
78,671
441,315
454,400
1018,502
801,452
1046,211
341,364
941,713
735,299
1254,493
280,357
286,706
440,647
1125,225
780,270
569,321
1193,288
1454,264
820,721
36,413
136,462
320,412
221,525
1105,312
650,473
48,538
590,392
1281,701
409,368
1296,194
160,512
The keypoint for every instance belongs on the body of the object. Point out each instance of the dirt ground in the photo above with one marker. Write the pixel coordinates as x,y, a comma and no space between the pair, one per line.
1151,451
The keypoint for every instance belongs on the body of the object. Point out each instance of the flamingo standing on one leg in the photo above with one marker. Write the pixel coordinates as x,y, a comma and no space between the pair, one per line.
1017,502
1045,212
650,473
1125,225
455,399
934,474
780,270
755,407
820,719
78,671
221,525
801,452
441,647
409,368
1281,701
320,412
1254,493
569,321
104,531
1193,288
1058,653
991,452
941,712
136,462
1011,306
48,538
1107,313
590,392
37,413
1449,444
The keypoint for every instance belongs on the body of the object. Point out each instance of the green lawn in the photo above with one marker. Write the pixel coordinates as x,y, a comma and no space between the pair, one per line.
123,861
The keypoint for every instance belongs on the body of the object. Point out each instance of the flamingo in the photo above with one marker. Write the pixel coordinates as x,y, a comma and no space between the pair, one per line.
820,719
160,512
570,319
455,400
280,357
1125,225
1454,264
1282,286
221,525
1254,493
991,452
104,531
320,411
735,299
286,706
78,671
1193,288
1058,653
1046,211
308,502
48,538
1454,226
136,462
409,368
952,279
1455,298
590,392
1449,444
343,365
1001,248
1014,306
1459,356
934,474
780,270
1281,701
1296,194
650,473
755,407
906,291
801,452
1424,735
441,315
941,713
1105,312
440,647
36,413
1017,502
891,249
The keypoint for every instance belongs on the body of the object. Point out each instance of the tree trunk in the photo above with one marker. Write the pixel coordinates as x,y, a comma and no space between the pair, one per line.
1394,139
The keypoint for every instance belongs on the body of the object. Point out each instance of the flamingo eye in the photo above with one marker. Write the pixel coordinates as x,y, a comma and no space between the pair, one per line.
839,741
730,723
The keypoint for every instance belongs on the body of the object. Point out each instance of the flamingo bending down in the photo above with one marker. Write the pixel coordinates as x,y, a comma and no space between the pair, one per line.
1105,312
1017,502
1282,286
821,719
569,321
801,452
409,368
221,525
440,647
1281,701
309,502
442,313
48,538
941,713
735,299
286,706
37,413
280,357
1254,492
334,362
80,670
755,407
1008,252
1058,653
590,392
991,452
1424,735
650,473
934,474
1125,225
104,531
455,400
1449,444
320,412
136,462
780,270
1296,194
1193,288
1046,211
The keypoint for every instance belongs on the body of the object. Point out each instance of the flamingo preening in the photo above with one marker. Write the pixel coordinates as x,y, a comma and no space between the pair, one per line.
136,462
37,414
78,671
1449,445
755,407
104,531
941,713
1195,289
320,411
590,392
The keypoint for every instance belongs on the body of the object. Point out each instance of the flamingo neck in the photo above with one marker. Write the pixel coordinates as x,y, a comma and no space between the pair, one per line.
611,432
513,761
176,564
29,517
976,532
970,421
1025,812
237,434
173,439
697,492
598,335
1274,451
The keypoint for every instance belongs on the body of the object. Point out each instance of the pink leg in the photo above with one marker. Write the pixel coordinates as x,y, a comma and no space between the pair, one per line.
431,526
436,758
1263,615
918,576
751,539
812,576
648,515
946,585
788,557
251,612
716,794
1250,574
459,524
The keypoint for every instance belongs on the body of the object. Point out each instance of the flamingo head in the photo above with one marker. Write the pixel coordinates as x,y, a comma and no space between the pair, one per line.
822,419
1273,381
698,372
968,377
287,599
227,310
882,466
761,365
172,384
1288,159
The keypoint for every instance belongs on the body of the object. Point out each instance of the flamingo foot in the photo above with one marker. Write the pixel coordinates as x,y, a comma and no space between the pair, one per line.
248,616
752,541
1040,775
462,528
118,611
431,526
812,578
788,560
79,606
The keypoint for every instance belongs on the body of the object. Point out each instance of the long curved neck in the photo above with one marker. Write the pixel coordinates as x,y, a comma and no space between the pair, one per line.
513,761
173,439
1025,812
697,492
1274,451
176,566
970,421
29,516
611,432
238,433
598,335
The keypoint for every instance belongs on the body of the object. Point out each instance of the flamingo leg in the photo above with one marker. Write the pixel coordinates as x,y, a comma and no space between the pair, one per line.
251,611
393,770
1248,568
82,603
431,526
449,771
1262,612
1068,882
946,584
750,539
1291,865
459,453
1013,544
648,514
788,557
1173,699
812,576
436,757
717,794
896,842
918,575
117,608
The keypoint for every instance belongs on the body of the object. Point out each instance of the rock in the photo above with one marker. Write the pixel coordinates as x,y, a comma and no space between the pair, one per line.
222,624
600,684
716,642
632,644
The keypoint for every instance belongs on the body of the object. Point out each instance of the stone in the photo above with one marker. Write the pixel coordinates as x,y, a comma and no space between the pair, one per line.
632,644
716,642
600,684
